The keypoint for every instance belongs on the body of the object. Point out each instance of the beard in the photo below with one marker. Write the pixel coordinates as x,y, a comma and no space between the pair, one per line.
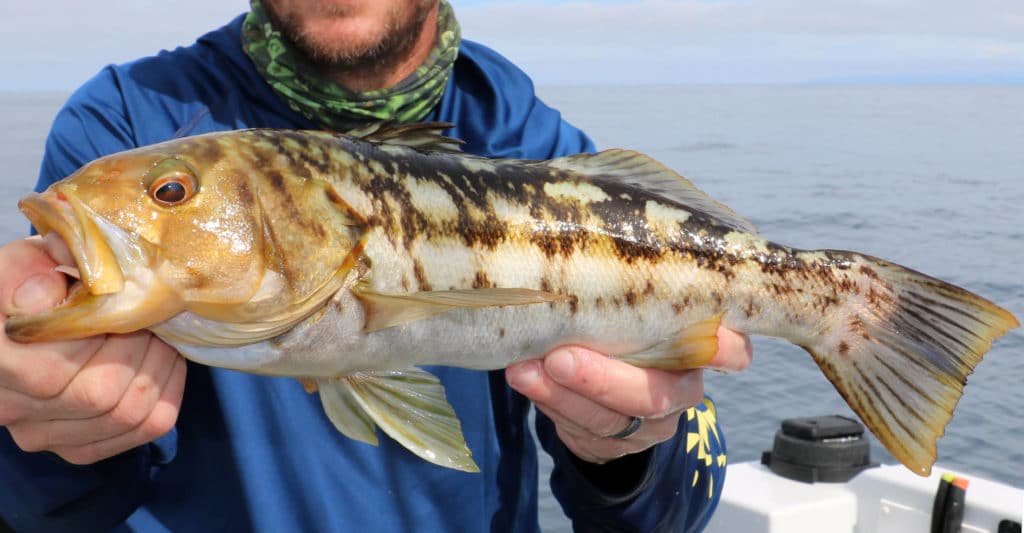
377,52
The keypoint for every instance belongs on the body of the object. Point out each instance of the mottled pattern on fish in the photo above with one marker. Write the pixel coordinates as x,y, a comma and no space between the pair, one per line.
436,204
424,255
460,222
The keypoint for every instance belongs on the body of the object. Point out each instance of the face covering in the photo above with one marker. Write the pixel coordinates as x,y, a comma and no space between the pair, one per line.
331,105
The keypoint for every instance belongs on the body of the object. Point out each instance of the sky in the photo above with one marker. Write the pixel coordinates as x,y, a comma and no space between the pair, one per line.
58,44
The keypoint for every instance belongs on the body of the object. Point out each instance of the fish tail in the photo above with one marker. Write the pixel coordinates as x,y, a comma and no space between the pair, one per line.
901,351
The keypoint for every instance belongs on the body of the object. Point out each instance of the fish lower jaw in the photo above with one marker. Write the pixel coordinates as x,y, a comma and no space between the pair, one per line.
79,315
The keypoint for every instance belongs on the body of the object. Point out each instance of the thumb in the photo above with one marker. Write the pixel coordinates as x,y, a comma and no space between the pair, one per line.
38,293
28,282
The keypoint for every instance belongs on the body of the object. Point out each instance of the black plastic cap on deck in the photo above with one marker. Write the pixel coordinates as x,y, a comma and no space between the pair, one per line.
829,449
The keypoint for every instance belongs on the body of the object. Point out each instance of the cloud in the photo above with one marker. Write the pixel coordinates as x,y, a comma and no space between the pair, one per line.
1002,50
739,41
58,44
648,20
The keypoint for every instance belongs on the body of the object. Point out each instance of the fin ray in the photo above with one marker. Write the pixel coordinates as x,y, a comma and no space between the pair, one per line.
627,166
345,412
901,363
410,406
424,136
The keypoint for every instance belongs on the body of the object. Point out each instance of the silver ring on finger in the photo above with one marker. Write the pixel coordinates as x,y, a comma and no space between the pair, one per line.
634,425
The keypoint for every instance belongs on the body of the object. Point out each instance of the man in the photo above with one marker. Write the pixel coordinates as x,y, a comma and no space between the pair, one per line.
137,445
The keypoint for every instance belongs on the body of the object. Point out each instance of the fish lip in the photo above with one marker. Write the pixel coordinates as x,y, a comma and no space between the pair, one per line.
114,296
55,211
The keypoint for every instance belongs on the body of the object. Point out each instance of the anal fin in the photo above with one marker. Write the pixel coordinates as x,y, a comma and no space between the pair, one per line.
409,405
694,346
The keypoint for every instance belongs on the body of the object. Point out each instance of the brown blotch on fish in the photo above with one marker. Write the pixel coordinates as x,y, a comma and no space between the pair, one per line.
857,328
843,348
630,250
480,281
291,208
208,151
825,301
245,196
319,164
847,285
547,242
489,232
196,278
421,278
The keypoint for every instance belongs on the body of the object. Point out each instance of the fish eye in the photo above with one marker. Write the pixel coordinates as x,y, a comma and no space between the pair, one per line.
171,182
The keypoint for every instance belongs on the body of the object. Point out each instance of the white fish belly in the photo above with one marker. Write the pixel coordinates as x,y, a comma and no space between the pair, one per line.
334,343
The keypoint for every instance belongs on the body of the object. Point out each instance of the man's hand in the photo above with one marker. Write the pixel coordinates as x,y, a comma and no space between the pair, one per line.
591,397
85,400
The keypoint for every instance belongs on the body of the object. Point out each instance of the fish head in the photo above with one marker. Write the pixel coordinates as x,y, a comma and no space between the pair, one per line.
183,226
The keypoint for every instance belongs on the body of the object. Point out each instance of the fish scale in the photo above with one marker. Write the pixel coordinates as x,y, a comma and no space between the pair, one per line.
348,260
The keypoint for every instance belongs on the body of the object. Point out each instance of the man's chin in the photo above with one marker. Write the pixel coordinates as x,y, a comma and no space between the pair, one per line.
353,39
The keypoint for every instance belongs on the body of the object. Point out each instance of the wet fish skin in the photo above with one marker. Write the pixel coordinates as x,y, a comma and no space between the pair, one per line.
427,256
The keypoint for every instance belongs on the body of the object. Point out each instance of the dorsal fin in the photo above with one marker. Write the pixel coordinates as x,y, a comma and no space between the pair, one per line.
425,136
636,169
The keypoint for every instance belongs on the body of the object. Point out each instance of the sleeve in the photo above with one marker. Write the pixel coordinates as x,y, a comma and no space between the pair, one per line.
41,491
493,108
674,486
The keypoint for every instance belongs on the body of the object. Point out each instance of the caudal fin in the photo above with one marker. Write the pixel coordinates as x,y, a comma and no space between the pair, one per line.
902,354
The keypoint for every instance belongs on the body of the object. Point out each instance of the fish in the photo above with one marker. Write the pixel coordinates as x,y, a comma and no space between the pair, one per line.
350,260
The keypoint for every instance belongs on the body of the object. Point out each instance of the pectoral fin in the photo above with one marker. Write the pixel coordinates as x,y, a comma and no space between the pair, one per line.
693,347
344,411
409,405
385,310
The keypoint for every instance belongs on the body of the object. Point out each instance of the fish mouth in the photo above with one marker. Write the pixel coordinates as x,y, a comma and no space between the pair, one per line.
60,211
99,274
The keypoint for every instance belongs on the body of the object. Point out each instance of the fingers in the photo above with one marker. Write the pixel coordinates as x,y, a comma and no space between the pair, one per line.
735,352
160,421
122,380
145,409
576,373
590,397
29,283
103,380
86,399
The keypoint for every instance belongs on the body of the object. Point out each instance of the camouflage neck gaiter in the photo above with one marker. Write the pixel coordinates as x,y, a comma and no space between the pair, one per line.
327,103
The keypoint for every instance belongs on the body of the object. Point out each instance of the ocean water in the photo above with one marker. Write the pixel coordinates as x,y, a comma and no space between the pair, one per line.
929,177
